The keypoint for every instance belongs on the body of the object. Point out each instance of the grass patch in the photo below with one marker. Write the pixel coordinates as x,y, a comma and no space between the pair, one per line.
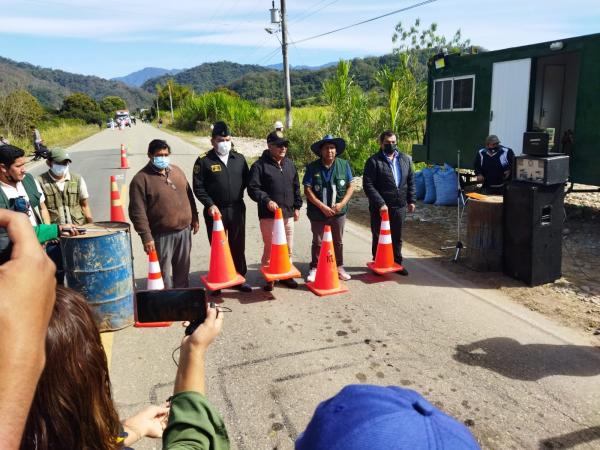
59,133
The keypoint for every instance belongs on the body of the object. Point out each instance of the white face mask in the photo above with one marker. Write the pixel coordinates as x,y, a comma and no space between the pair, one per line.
223,148
59,169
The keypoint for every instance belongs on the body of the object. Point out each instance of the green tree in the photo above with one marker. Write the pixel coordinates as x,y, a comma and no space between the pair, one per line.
179,94
405,84
81,106
19,110
349,115
112,103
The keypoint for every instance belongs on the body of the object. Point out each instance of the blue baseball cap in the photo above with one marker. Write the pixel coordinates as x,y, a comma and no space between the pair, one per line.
384,418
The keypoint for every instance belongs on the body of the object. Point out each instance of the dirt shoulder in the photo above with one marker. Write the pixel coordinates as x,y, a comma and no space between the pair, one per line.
573,300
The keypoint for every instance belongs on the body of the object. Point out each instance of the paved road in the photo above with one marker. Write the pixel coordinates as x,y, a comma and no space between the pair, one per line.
518,379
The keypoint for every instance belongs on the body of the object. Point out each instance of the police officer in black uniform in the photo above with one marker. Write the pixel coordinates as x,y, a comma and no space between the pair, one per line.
220,177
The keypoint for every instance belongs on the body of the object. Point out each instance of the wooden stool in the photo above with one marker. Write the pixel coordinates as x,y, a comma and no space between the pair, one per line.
484,234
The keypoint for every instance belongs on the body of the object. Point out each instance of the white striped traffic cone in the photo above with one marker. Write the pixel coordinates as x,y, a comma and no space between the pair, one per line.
280,265
155,280
384,257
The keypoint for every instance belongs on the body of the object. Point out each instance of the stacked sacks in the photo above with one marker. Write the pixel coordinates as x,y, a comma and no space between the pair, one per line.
420,185
429,184
446,186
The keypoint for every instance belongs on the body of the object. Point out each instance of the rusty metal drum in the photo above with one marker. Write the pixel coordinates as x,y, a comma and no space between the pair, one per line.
99,265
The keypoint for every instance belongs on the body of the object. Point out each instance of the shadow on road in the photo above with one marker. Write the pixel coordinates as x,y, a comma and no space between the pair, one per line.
571,440
530,362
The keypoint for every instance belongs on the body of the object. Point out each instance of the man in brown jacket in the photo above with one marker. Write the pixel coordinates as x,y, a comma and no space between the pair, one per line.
163,212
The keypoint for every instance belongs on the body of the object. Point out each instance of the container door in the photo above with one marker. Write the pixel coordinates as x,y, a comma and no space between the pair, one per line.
510,102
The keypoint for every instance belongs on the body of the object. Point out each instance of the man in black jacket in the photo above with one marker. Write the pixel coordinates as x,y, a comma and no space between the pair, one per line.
220,177
273,184
388,182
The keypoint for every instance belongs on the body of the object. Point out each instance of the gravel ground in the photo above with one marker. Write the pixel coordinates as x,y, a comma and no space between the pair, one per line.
573,300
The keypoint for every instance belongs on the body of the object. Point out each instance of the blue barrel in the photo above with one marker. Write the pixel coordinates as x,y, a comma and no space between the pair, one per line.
99,265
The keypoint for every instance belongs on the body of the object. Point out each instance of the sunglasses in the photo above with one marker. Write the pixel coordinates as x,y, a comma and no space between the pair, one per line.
21,204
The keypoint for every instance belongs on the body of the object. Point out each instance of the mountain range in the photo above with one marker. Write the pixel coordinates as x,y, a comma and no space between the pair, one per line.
136,79
51,86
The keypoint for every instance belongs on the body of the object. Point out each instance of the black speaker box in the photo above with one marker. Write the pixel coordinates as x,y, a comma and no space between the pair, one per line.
533,222
536,143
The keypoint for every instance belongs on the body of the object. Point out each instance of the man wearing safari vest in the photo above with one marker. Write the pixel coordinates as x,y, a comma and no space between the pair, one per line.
20,192
328,188
66,192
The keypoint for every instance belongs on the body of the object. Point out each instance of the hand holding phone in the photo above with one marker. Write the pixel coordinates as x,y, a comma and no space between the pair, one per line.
203,334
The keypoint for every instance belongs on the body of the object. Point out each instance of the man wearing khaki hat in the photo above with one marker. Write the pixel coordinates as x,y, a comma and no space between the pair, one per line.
67,197
493,164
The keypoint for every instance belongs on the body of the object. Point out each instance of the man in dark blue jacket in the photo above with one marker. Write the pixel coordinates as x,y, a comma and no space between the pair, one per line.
388,182
493,165
273,184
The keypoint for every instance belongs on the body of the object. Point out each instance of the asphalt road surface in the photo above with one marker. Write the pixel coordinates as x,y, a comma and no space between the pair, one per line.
517,379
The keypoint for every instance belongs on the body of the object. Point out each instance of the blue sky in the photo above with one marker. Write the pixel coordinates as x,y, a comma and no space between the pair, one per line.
112,38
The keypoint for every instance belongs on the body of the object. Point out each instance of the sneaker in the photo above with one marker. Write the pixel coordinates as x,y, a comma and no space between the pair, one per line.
312,275
215,293
269,286
344,276
244,287
290,282
402,271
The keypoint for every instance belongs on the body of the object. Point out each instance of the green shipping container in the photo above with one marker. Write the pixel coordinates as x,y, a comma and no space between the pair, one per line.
552,87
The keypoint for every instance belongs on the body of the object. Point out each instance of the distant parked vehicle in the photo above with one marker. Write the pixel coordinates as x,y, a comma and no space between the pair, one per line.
123,115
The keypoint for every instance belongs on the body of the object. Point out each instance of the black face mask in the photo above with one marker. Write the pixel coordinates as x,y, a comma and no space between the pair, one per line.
389,148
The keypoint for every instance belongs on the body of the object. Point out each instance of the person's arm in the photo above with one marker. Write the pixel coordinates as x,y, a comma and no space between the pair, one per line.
138,214
45,214
311,197
26,279
369,177
297,196
411,189
198,183
255,190
87,210
149,422
477,168
193,424
195,220
511,163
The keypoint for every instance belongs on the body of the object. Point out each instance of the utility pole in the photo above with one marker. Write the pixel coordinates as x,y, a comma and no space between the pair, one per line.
286,68
171,101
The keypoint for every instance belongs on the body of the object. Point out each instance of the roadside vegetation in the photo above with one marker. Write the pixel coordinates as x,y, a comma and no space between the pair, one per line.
79,117
396,101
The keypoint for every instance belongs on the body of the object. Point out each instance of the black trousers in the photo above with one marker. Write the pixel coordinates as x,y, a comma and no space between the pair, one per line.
397,216
234,222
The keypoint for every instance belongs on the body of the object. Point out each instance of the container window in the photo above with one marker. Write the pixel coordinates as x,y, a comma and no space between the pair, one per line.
462,97
454,94
442,95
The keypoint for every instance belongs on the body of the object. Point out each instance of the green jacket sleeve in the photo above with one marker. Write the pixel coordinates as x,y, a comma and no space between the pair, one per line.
194,424
46,233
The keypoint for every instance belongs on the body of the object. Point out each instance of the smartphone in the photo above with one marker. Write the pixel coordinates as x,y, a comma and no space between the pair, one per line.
171,305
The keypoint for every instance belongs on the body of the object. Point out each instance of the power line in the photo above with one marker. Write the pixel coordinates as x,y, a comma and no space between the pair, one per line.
416,5
312,13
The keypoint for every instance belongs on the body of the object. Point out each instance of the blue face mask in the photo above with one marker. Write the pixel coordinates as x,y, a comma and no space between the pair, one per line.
160,162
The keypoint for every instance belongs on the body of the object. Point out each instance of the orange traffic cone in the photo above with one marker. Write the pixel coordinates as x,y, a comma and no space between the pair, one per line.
116,207
221,272
327,281
280,266
124,162
155,283
384,258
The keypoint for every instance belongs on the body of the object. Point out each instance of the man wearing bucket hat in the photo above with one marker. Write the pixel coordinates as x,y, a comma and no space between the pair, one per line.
328,188
389,183
493,164
66,192
274,184
383,418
